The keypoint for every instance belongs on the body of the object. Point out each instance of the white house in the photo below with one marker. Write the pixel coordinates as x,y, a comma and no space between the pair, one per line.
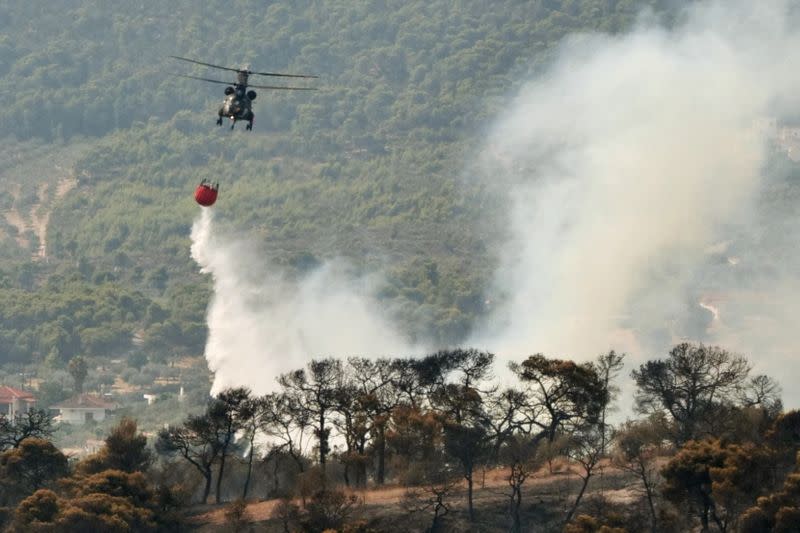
83,408
15,402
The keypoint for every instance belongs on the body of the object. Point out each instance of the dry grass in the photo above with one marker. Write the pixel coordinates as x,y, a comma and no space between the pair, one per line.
490,492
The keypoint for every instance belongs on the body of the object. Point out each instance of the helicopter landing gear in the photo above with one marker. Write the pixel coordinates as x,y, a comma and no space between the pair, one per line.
219,121
233,122
249,126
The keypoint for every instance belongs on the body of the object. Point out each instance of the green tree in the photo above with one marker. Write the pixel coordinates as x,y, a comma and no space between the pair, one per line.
78,369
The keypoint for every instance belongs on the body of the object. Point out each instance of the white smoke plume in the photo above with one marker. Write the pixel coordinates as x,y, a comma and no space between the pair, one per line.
262,324
630,159
624,163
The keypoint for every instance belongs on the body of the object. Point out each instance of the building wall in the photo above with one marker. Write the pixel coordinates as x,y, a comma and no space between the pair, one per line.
22,406
79,416
16,407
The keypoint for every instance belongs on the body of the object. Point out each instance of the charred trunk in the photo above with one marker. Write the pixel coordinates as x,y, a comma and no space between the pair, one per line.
380,447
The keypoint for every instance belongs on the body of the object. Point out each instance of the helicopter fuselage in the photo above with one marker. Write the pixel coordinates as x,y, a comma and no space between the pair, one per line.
238,102
238,105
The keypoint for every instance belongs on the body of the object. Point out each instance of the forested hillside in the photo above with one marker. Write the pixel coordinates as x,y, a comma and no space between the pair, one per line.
369,168
389,67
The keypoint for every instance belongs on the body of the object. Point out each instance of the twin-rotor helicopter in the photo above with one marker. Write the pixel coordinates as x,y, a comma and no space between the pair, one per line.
238,103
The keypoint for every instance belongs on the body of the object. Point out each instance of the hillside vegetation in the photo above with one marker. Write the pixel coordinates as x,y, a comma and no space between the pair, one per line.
711,448
370,168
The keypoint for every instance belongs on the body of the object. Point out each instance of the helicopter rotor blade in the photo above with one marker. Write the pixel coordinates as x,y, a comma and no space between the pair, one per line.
206,79
206,64
277,74
283,88
232,83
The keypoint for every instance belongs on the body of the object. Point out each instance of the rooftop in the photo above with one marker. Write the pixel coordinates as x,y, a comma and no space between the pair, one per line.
84,401
9,394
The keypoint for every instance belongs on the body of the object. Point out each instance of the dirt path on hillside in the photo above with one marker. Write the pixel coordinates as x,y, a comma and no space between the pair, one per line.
40,221
36,176
38,218
14,218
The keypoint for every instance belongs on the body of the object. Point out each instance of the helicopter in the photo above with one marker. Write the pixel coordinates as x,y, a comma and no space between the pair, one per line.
238,103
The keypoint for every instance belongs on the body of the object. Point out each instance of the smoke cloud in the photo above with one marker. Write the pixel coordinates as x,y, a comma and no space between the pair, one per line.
625,164
262,324
634,171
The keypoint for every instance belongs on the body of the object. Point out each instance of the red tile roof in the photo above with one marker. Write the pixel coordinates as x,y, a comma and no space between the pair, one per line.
84,401
9,394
